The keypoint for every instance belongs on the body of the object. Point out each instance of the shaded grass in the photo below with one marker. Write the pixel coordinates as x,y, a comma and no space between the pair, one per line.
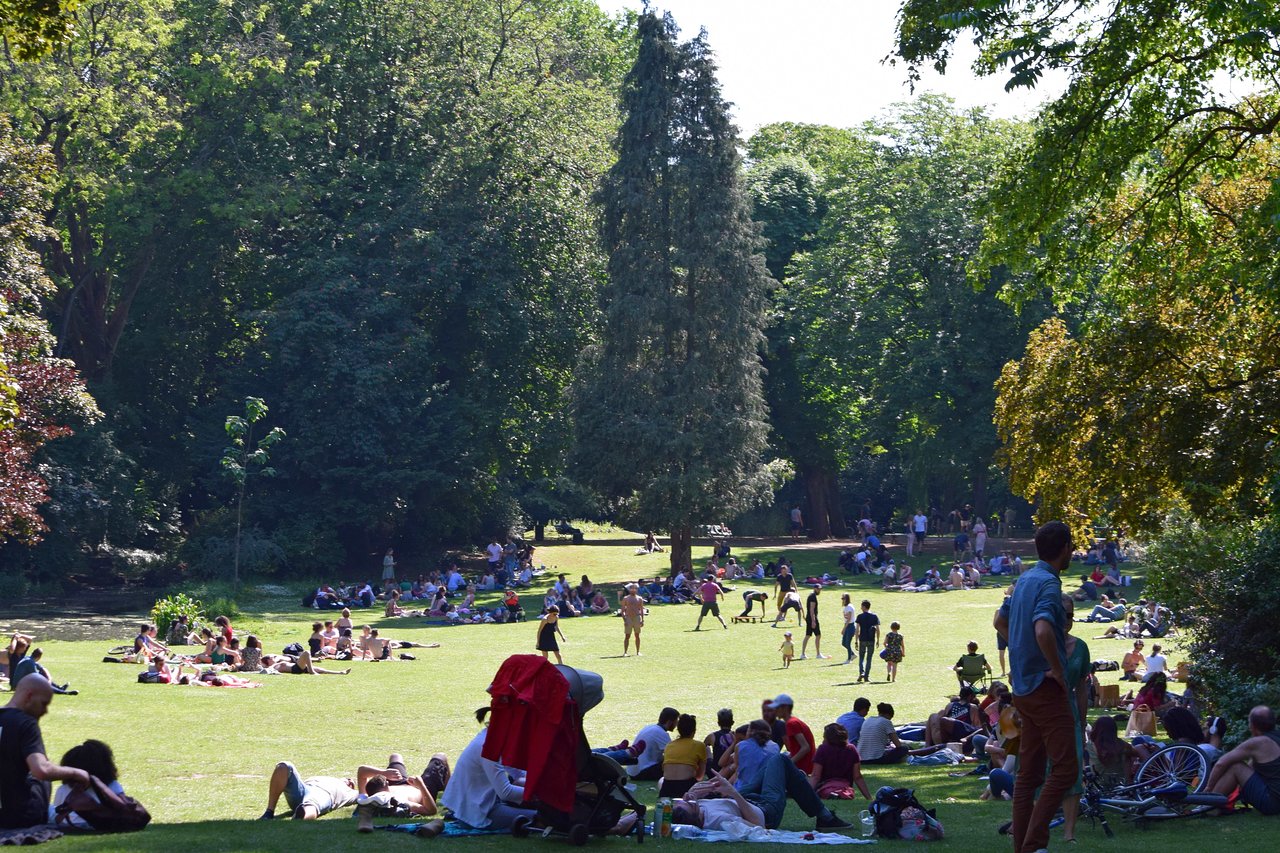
199,758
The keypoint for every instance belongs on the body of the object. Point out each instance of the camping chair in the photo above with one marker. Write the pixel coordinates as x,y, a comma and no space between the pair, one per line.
974,671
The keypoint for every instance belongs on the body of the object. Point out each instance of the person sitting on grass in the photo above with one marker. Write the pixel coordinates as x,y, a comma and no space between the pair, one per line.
1253,767
876,735
837,767
1132,660
1154,695
599,604
959,720
643,756
206,654
713,803
684,760
308,798
222,655
251,655
92,756
60,689
145,644
25,770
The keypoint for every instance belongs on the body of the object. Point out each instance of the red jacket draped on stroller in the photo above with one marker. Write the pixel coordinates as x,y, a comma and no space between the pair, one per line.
535,726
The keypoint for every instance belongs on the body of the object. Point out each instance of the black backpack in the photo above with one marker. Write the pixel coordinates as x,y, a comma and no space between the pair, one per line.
887,809
293,649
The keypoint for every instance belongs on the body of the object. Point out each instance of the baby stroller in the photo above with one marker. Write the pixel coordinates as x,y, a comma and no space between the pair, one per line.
590,797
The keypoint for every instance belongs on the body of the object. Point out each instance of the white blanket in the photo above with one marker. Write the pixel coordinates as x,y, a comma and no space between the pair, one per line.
740,831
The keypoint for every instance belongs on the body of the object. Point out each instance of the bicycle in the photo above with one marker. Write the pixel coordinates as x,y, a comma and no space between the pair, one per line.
1169,784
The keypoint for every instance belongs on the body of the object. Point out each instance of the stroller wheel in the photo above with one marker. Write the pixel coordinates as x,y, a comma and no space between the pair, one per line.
520,829
578,834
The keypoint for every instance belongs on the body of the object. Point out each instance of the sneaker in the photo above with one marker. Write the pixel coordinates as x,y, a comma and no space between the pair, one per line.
802,657
824,657
267,815
636,748
831,821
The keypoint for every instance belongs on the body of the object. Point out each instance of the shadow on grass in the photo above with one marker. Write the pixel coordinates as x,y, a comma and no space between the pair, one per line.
336,832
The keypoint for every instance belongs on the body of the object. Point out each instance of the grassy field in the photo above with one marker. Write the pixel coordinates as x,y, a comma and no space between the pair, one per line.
199,758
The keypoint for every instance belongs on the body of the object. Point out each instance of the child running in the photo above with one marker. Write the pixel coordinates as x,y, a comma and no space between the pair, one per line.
548,627
895,649
788,649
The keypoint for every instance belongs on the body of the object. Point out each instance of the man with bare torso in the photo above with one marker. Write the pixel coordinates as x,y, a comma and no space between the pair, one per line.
632,618
393,791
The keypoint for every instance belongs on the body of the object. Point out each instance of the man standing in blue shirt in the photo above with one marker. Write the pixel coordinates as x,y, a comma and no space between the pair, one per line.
1034,622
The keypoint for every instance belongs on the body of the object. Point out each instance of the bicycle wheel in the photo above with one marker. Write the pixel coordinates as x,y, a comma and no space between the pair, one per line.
1177,764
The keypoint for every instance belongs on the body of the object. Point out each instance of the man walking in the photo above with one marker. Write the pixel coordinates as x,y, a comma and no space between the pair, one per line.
1034,622
711,593
868,640
811,626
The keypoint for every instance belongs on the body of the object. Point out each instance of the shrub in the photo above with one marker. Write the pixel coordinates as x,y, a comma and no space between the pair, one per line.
1223,585
222,606
167,610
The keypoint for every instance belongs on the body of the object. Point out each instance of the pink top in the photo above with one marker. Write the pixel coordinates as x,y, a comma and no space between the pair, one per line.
709,592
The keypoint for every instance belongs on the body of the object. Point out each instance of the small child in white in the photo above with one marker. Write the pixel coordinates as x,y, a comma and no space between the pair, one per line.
787,648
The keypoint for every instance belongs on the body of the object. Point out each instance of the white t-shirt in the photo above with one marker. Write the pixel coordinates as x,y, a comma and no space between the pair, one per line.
455,581
921,523
478,785
495,552
849,613
795,515
60,796
1155,663
716,812
655,739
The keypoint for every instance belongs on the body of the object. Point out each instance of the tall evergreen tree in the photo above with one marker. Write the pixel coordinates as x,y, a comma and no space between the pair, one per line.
671,417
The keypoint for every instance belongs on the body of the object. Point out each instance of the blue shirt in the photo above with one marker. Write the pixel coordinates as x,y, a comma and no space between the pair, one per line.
852,723
1038,596
751,759
21,669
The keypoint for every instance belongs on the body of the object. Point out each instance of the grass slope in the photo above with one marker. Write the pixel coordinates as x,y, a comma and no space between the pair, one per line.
199,758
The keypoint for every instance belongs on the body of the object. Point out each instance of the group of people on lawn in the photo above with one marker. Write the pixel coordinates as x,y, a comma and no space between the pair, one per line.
743,772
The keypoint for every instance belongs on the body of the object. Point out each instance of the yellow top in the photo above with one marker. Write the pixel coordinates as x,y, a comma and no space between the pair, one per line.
685,750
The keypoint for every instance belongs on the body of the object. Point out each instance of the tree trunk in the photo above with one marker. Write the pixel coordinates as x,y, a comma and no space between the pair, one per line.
681,548
980,491
835,512
815,485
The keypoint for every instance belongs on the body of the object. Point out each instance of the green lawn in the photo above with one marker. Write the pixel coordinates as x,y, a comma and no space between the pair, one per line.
199,758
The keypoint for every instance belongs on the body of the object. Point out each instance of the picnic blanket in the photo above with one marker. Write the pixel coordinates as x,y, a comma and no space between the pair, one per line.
30,835
451,827
741,831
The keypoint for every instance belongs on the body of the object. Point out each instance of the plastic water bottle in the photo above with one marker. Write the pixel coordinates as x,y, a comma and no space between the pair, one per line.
868,823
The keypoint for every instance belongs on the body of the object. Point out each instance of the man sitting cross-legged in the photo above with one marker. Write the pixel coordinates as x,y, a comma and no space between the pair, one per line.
307,798
393,791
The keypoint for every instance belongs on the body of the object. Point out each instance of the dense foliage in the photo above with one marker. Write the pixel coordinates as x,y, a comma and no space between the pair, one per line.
41,396
375,215
1147,199
884,345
